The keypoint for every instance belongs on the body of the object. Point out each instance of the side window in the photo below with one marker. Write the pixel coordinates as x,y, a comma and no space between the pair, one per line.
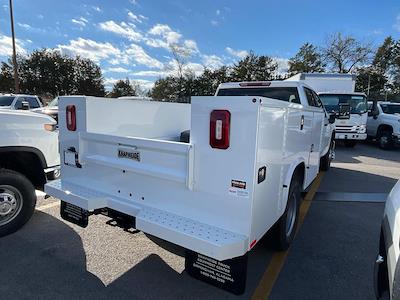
318,101
310,97
18,103
33,102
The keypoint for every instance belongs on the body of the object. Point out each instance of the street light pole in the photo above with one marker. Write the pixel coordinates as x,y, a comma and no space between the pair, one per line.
16,78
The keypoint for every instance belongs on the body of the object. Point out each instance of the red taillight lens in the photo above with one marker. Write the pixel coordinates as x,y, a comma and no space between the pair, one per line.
71,117
220,123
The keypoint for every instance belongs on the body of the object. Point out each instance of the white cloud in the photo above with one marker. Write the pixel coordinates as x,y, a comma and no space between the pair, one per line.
191,46
163,30
136,18
97,8
145,84
80,22
122,29
218,12
6,46
134,2
283,65
396,25
212,61
117,70
150,73
140,56
214,23
90,49
236,53
40,16
24,25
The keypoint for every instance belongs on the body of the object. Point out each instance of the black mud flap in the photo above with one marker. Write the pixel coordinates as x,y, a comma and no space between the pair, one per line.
74,214
229,275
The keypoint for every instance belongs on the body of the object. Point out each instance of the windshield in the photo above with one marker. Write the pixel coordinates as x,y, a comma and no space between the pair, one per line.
391,108
53,102
288,94
358,103
6,100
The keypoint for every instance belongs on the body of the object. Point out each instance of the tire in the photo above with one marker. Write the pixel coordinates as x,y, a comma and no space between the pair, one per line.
385,140
286,226
17,201
350,143
325,161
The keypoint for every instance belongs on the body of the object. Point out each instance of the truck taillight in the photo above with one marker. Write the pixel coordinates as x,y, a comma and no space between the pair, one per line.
71,117
220,123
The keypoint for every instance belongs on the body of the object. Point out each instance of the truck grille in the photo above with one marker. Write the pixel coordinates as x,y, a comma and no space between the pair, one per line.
346,128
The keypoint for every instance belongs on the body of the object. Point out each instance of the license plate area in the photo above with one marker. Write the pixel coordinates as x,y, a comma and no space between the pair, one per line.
74,214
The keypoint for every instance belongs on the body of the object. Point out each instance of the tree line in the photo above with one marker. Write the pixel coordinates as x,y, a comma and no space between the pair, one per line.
49,73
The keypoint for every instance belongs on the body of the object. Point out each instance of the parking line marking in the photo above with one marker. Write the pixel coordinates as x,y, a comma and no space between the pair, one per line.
50,205
278,259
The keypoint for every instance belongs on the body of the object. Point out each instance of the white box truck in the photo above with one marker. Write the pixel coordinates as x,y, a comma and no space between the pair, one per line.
216,189
337,92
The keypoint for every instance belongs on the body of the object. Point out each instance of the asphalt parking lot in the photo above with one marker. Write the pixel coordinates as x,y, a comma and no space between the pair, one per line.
331,258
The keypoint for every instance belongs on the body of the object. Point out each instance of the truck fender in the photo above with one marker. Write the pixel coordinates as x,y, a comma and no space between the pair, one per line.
287,179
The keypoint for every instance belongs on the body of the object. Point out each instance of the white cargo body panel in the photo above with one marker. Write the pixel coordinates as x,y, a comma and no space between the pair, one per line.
327,82
126,155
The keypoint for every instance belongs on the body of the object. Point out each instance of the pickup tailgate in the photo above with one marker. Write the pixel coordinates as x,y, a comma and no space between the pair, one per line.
172,161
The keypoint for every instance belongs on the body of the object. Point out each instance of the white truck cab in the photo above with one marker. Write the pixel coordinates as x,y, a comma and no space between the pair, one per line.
384,123
336,92
19,102
28,157
212,176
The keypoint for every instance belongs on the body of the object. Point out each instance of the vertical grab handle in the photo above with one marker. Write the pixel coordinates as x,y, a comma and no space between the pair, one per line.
302,122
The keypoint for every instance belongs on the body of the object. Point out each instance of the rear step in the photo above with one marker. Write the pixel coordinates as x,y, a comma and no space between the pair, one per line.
196,236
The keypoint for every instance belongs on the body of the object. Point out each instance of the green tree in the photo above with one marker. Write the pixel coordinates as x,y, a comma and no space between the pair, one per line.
384,55
254,67
49,72
122,88
344,53
6,78
307,60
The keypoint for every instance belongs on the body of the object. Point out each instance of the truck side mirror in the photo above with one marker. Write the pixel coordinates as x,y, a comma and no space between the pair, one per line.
332,118
25,105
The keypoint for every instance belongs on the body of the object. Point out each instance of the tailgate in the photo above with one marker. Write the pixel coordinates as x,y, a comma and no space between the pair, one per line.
166,160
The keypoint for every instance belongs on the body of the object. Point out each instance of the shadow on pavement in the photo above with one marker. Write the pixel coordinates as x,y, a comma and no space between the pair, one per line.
345,180
46,260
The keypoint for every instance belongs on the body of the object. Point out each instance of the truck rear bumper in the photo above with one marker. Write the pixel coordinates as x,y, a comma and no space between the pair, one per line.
208,240
350,136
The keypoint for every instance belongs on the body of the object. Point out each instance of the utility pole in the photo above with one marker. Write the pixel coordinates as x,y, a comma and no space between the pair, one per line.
16,78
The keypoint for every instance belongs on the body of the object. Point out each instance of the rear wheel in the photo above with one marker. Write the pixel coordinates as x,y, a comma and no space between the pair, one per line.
385,140
350,143
325,161
17,201
286,226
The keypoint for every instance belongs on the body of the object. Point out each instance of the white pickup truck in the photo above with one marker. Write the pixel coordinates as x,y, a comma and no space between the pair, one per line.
214,190
28,157
384,123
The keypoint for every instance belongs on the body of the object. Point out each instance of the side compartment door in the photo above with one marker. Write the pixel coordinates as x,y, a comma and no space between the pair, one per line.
316,135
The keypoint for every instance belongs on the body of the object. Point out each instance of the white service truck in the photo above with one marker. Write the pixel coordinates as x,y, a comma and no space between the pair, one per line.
28,157
337,92
384,123
212,176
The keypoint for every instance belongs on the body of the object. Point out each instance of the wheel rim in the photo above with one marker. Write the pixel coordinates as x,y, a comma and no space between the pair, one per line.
291,216
10,204
383,141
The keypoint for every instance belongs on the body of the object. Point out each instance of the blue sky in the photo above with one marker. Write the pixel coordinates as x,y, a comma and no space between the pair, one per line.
131,38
